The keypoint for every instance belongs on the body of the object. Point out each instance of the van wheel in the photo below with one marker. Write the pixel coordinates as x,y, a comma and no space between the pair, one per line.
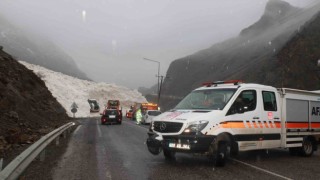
307,147
170,155
222,154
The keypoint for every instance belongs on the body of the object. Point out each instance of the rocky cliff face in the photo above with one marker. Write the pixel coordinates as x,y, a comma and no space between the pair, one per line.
259,54
27,108
297,60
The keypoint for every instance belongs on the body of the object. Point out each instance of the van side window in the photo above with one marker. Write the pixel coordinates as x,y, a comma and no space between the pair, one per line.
246,101
269,101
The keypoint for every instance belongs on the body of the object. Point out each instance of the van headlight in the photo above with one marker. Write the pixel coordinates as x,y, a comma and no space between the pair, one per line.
196,126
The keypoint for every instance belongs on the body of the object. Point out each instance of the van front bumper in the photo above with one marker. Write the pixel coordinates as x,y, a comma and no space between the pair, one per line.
182,143
188,143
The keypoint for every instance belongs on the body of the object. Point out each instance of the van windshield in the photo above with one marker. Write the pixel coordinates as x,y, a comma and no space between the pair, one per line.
211,99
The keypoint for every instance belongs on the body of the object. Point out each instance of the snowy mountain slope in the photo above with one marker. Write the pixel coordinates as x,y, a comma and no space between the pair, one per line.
67,89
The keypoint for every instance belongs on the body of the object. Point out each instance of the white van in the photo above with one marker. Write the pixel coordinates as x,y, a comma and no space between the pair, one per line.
227,117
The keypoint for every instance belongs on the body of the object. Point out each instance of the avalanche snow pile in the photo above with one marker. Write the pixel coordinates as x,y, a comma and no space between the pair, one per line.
67,89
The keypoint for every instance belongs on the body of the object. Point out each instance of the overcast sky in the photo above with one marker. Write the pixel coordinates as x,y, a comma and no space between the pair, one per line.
108,39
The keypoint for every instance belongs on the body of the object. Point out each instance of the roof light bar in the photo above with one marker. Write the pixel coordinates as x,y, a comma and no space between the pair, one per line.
209,84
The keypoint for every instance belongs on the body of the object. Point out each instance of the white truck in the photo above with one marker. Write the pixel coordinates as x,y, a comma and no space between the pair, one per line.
223,118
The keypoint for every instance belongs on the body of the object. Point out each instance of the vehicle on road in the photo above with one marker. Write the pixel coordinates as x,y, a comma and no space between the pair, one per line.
94,105
143,106
129,114
114,104
223,118
111,116
149,115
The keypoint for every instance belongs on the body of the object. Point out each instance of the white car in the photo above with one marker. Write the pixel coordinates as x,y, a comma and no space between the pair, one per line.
149,115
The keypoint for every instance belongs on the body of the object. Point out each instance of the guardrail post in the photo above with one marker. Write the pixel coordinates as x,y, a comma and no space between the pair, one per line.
1,163
43,155
57,141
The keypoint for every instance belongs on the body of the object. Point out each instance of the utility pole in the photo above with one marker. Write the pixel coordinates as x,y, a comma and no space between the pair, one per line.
157,76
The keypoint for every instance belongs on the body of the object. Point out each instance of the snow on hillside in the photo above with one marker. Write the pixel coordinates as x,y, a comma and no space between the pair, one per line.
67,89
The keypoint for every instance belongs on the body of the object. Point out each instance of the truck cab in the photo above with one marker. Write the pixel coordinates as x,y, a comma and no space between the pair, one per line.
219,119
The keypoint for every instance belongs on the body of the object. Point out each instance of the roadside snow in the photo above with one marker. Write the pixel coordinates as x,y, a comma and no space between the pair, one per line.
67,89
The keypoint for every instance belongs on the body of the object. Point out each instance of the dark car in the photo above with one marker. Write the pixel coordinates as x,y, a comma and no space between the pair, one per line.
111,116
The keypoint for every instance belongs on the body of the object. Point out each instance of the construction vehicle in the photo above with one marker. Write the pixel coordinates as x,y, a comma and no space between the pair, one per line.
94,105
223,118
149,106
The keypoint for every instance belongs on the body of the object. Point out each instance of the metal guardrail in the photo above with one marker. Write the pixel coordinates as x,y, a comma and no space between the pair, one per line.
21,162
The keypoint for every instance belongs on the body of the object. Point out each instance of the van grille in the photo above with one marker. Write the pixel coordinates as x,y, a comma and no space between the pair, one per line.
167,127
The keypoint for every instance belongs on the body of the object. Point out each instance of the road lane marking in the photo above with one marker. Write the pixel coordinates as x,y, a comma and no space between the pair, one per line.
77,129
260,169
99,130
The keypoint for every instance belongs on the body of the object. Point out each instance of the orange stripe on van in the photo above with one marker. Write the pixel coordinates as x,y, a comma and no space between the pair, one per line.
249,124
232,125
271,124
277,124
255,124
315,125
266,125
297,125
261,124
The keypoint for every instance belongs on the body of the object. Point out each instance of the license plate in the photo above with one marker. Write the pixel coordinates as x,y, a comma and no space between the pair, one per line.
112,116
179,146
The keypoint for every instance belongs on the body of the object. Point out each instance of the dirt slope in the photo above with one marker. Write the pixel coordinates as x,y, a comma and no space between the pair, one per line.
27,108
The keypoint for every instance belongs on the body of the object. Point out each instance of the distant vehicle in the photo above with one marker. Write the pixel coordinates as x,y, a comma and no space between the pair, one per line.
149,115
149,106
111,116
94,105
144,106
129,113
114,104
224,118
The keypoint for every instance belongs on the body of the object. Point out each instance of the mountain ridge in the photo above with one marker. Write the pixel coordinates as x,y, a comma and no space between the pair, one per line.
236,57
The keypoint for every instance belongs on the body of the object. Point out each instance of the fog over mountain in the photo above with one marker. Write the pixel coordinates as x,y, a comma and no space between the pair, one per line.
256,55
109,38
36,49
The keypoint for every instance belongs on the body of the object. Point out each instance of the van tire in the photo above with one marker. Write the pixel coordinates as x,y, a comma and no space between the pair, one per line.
307,147
170,155
222,154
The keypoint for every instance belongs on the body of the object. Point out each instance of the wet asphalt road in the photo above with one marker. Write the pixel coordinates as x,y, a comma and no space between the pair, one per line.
98,151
